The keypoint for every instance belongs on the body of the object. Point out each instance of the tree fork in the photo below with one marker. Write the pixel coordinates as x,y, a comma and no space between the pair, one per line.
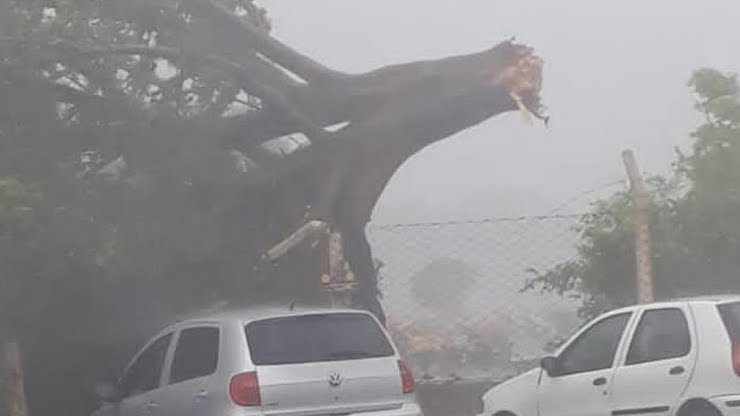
376,148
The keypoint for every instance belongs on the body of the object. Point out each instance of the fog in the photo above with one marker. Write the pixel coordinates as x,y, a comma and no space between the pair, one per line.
615,77
157,163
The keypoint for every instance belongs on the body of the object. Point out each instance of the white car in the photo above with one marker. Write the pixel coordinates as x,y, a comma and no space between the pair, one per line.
263,363
678,358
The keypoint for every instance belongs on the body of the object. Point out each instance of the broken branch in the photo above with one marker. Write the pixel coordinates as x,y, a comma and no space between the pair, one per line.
307,230
277,51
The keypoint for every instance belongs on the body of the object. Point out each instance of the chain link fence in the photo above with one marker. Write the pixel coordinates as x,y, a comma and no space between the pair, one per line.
454,293
4,381
3,394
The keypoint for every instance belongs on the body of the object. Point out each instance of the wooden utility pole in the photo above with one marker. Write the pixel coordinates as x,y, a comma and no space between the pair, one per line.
15,394
643,252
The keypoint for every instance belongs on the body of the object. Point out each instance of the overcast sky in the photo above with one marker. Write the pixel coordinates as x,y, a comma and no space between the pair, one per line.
615,78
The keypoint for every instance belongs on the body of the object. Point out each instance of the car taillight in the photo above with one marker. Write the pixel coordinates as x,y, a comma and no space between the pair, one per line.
736,357
407,378
244,390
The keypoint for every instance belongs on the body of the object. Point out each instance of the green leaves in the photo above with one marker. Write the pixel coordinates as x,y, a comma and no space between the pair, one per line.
16,206
710,84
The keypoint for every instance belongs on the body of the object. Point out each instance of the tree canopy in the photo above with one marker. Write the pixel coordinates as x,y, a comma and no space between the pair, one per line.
695,218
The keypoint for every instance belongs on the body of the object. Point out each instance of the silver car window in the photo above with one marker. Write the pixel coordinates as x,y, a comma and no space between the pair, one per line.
314,338
196,354
144,373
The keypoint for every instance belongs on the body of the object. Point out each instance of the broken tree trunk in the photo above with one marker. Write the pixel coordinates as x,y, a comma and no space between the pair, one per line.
380,141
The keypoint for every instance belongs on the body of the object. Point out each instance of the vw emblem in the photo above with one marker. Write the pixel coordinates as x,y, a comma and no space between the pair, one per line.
335,379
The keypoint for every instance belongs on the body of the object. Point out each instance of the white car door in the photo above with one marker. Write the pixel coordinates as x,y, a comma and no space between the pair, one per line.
581,384
140,382
657,366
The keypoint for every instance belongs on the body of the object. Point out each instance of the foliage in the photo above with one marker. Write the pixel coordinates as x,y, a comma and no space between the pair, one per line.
695,218
117,211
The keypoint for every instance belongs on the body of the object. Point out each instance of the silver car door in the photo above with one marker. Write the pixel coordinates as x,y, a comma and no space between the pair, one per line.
191,387
141,380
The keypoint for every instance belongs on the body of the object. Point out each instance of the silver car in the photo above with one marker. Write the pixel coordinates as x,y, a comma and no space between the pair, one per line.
267,362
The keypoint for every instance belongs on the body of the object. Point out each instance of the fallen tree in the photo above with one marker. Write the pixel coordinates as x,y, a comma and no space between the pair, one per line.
381,118
202,142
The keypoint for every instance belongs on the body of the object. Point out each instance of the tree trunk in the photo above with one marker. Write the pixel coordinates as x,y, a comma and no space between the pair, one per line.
16,393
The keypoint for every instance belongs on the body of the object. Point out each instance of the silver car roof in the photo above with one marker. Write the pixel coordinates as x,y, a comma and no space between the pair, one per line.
246,315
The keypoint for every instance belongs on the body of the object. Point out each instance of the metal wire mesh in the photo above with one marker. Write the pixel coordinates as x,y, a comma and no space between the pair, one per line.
453,293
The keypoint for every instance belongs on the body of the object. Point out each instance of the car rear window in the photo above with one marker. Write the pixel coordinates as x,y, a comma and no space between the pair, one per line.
317,337
731,316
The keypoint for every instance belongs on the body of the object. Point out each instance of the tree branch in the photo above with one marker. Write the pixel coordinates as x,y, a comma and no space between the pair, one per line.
71,95
303,66
255,128
274,98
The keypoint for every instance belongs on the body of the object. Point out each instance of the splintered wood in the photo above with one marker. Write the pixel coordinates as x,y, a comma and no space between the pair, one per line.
338,271
524,81
309,230
338,277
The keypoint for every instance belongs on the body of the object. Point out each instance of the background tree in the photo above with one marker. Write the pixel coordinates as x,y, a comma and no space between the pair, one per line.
695,221
442,285
53,261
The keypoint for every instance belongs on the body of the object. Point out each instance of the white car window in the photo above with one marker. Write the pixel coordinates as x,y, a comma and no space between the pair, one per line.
662,334
595,348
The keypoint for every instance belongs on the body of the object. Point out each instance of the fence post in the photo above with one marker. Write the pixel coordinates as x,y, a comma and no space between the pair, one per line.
643,252
15,384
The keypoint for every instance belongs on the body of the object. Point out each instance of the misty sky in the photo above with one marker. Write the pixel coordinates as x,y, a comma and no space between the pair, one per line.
615,77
